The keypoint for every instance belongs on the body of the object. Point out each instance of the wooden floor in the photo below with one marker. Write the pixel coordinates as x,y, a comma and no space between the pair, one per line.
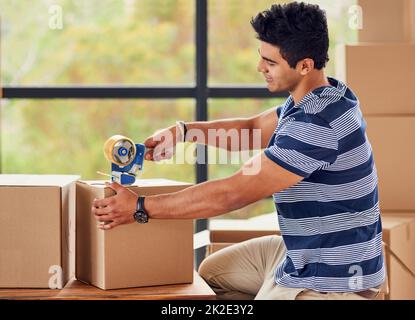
76,290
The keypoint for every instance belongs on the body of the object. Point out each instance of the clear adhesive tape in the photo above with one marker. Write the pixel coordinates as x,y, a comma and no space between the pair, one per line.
111,147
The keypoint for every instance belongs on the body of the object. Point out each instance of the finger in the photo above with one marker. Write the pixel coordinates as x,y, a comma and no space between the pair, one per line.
102,211
150,142
167,153
102,202
158,157
115,186
105,218
108,226
162,154
149,154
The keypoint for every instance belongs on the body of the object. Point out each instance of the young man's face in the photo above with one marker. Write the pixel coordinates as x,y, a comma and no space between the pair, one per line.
277,73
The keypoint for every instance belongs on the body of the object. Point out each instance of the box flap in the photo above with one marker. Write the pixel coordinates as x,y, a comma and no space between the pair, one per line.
394,220
140,183
399,236
267,221
89,243
238,230
46,180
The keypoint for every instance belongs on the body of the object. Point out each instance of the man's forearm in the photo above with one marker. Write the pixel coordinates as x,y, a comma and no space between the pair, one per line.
191,203
230,134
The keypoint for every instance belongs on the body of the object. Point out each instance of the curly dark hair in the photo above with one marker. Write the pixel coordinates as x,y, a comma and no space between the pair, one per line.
298,29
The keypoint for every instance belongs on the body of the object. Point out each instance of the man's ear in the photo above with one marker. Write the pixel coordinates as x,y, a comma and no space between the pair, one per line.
305,66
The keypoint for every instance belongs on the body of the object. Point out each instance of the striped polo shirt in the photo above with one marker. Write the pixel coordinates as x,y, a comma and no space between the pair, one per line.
330,221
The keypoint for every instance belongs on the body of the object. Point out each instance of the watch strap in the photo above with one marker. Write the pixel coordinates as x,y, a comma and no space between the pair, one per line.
140,204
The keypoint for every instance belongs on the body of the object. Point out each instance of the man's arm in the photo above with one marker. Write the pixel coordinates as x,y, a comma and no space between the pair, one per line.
266,122
216,197
235,134
204,200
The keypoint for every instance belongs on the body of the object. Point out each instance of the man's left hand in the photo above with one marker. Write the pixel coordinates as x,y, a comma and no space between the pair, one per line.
115,210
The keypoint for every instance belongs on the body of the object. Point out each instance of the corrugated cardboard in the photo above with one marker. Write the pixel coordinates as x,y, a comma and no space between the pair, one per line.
399,238
391,142
134,255
387,21
37,230
380,75
237,230
233,236
213,247
224,232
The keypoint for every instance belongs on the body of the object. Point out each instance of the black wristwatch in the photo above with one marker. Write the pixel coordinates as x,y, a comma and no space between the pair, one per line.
141,215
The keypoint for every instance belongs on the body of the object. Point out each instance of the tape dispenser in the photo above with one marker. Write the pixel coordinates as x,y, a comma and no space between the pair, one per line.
126,159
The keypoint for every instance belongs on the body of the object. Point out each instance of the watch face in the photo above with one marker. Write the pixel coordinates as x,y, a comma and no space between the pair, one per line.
141,217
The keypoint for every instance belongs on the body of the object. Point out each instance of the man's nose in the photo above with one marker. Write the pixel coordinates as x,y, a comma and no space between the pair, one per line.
261,67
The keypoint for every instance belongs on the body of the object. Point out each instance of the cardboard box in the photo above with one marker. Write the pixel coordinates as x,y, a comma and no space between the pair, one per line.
380,75
225,232
157,253
213,247
37,230
238,230
387,21
390,138
399,238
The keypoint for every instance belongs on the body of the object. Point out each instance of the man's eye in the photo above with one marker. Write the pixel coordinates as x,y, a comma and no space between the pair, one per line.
271,64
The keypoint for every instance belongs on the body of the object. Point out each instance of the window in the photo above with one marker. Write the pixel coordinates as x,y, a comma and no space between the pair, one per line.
98,42
67,136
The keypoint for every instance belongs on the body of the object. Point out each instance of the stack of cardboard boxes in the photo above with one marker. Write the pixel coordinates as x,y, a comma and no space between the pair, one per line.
380,71
48,235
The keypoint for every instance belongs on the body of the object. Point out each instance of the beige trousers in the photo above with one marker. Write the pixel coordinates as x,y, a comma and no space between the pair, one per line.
245,271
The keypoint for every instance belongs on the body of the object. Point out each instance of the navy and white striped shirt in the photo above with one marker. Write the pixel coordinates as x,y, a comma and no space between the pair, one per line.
330,221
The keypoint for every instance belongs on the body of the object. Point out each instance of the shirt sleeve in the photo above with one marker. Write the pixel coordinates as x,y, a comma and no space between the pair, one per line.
303,147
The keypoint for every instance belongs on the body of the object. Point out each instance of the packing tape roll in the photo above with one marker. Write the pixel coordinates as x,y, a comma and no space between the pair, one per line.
111,147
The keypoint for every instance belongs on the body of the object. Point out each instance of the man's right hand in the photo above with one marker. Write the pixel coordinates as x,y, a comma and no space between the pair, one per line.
161,145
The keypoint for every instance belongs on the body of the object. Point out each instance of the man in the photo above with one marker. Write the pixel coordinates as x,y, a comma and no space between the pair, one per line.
317,163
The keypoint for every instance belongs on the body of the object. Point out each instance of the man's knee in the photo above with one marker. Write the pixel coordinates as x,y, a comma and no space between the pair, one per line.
214,266
206,268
